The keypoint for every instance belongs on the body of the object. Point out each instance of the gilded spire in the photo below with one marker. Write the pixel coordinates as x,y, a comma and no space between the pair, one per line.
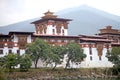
49,14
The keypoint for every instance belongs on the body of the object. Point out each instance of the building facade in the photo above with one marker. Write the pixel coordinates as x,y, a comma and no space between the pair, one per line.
54,30
111,34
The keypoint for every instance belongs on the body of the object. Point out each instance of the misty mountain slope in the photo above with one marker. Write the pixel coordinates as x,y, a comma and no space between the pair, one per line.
21,26
90,9
86,20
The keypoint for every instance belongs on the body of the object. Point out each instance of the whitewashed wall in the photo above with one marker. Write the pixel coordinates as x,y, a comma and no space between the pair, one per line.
95,62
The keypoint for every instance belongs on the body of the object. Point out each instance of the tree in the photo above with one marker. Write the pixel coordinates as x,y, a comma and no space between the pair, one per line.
114,57
57,55
2,61
39,49
25,62
11,61
74,54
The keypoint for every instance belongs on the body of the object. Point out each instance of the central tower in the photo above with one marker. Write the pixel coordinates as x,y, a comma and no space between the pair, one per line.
49,24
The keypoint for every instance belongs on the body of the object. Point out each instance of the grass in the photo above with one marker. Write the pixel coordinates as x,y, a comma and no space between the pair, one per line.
59,72
2,74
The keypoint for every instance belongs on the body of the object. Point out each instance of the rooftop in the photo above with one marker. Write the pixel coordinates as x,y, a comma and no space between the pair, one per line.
50,16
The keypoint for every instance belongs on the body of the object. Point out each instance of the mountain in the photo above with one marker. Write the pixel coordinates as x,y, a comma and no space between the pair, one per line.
20,26
86,20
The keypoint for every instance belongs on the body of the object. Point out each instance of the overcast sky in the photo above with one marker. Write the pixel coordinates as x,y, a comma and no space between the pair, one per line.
12,11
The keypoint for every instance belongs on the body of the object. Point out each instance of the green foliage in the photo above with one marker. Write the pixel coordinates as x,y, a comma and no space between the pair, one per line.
11,61
25,62
41,50
114,57
54,54
74,54
38,50
2,67
2,61
57,55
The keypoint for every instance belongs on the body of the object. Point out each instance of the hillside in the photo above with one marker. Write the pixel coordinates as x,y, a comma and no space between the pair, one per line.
86,20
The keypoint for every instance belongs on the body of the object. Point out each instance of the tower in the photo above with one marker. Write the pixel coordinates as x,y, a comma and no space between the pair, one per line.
49,24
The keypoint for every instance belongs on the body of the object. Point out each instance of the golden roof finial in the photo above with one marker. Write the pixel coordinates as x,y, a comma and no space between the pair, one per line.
49,14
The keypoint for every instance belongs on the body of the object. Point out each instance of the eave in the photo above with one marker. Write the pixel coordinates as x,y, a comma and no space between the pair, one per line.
11,33
46,19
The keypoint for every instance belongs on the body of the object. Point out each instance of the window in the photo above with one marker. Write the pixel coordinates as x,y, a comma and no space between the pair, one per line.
1,51
53,31
100,58
90,49
10,51
91,58
23,39
63,32
18,52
